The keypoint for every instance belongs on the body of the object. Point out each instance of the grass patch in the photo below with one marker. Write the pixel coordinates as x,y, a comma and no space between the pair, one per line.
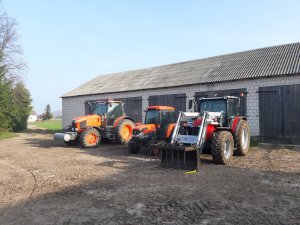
6,135
53,125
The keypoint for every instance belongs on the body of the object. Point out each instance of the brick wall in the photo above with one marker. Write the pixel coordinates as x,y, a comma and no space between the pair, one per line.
74,106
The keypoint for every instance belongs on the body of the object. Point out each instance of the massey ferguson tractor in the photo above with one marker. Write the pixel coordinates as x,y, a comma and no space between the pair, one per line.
158,126
107,121
216,126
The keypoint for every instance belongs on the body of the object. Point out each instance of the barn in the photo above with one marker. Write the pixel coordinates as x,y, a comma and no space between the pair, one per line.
269,79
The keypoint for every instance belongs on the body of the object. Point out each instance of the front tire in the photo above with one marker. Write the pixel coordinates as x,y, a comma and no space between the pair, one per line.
222,147
90,138
243,138
125,130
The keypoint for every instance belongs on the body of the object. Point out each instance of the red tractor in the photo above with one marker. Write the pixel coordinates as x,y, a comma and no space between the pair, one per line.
216,125
158,126
107,121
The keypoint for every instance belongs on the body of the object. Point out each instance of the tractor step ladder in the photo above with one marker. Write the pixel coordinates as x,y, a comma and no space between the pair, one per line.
184,150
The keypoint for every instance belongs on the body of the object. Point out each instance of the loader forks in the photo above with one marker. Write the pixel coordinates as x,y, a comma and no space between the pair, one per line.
184,150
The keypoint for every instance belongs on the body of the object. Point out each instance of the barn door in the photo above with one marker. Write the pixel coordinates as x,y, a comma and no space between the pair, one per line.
133,108
178,101
279,114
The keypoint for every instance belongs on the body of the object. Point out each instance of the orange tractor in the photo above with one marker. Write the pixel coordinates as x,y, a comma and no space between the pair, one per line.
108,121
158,126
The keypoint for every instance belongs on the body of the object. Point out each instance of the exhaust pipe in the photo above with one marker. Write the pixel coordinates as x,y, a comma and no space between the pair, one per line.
62,137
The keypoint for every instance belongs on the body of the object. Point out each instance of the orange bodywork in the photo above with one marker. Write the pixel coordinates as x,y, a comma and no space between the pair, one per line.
158,107
118,120
145,128
91,121
170,129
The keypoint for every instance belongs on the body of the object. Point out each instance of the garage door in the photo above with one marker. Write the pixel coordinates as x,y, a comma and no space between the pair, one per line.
231,92
279,114
178,101
132,107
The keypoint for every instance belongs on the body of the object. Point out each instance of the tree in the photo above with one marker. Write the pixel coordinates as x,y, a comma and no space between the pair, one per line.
21,106
14,97
11,54
48,114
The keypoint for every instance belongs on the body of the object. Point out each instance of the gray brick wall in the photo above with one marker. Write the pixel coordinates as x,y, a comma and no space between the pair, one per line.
74,106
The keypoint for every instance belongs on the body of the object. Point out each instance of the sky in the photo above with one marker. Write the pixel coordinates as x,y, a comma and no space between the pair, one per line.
67,42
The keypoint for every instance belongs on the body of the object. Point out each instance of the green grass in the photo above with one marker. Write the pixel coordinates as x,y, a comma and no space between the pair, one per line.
6,135
50,125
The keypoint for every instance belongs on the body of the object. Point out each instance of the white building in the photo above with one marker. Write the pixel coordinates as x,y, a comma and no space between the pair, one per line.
268,77
32,117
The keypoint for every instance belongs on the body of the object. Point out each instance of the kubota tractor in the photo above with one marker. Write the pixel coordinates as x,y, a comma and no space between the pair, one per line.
158,126
107,121
217,126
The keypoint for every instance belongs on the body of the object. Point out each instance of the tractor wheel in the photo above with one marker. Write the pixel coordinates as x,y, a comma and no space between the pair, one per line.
133,148
72,142
125,130
222,147
243,138
90,138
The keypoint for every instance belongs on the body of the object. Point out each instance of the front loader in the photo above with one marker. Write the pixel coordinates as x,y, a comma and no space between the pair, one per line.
107,121
158,127
216,126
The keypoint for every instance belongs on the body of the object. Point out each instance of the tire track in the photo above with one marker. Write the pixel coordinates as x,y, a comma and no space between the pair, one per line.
21,199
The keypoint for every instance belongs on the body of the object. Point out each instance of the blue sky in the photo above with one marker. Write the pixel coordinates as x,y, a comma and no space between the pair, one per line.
67,43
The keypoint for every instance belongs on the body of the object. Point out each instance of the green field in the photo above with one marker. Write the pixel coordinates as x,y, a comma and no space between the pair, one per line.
51,125
6,134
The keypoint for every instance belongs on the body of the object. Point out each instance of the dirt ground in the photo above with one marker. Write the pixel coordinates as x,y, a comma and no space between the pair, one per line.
45,182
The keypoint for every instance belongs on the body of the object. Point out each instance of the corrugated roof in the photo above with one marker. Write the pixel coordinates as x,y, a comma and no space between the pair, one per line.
263,62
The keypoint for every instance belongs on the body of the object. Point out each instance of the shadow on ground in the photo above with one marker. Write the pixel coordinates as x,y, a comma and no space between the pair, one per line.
139,192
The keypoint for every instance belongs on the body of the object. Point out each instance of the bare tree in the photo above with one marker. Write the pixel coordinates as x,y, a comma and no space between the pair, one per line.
11,54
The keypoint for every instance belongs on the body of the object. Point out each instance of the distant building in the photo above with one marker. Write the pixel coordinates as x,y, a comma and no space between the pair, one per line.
32,117
269,79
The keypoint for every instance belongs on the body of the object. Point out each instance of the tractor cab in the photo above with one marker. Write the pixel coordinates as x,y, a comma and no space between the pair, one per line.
158,124
110,110
160,117
227,105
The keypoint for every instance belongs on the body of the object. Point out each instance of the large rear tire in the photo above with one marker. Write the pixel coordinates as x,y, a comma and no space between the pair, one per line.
90,138
125,130
222,147
243,138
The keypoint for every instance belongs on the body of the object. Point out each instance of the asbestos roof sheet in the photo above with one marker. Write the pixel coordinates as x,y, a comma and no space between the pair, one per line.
263,62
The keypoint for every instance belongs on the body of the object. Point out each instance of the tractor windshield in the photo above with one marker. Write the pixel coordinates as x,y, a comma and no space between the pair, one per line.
152,117
218,105
100,108
114,110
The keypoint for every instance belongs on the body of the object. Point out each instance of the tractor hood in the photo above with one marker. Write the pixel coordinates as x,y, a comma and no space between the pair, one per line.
145,128
88,120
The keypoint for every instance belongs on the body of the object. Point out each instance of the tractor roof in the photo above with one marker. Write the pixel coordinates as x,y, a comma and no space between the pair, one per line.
159,107
217,98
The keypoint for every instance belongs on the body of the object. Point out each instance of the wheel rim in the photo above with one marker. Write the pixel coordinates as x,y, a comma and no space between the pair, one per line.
126,132
91,138
245,139
227,149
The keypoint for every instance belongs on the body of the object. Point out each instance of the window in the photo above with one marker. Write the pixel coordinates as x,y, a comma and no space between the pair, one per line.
114,110
100,108
152,116
212,106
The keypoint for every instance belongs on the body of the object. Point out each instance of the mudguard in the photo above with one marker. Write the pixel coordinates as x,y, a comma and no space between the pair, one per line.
119,119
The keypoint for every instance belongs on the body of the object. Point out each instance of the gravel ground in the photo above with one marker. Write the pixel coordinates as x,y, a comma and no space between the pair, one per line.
45,182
